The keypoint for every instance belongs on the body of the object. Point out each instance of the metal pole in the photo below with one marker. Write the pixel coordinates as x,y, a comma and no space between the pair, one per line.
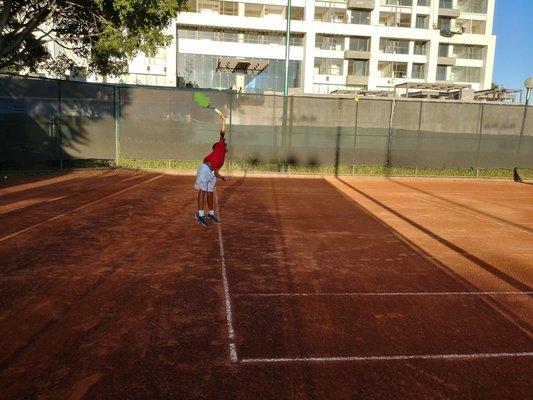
479,139
418,134
522,130
287,49
231,99
58,125
116,106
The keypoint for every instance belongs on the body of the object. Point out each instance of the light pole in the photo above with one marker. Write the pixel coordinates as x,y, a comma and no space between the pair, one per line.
528,83
287,49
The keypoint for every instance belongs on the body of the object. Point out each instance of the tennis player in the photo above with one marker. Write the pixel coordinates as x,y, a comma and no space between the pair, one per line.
208,173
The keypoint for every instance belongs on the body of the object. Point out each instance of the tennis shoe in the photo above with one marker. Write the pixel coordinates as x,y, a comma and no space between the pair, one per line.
202,220
214,218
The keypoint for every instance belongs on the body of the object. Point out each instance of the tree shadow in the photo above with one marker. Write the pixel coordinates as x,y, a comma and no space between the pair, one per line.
49,123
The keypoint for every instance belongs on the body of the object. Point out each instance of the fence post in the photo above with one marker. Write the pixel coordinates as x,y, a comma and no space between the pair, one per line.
391,127
338,138
59,130
356,100
479,139
116,114
230,129
418,136
521,133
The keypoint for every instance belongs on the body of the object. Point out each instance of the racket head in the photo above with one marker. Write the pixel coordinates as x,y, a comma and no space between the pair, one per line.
201,99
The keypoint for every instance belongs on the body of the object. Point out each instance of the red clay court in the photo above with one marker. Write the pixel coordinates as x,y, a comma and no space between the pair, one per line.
311,288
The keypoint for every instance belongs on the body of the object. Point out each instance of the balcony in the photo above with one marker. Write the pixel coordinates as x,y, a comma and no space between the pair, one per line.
361,4
448,61
449,12
356,80
354,54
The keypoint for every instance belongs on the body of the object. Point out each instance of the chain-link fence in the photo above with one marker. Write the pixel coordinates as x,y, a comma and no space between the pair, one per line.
50,120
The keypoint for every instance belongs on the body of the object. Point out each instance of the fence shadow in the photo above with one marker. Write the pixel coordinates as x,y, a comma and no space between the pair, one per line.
480,263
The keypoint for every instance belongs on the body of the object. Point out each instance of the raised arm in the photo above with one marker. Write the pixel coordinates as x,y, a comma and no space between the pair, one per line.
222,125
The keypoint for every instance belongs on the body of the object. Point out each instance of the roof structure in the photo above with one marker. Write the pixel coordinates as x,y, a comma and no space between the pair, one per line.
501,95
241,66
433,90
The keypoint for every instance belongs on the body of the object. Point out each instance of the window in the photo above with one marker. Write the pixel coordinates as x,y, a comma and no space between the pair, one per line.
394,46
388,69
442,72
229,8
337,15
472,26
221,35
466,74
422,21
473,6
420,48
201,69
468,52
360,17
395,19
445,3
444,24
444,50
419,71
253,10
358,67
360,43
328,66
424,3
329,42
397,2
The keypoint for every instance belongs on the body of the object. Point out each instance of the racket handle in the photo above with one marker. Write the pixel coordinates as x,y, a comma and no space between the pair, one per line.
218,111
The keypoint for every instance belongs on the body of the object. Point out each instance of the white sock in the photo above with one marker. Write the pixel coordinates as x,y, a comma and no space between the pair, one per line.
211,212
201,213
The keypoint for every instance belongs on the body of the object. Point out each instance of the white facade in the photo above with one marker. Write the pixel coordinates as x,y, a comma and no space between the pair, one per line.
337,45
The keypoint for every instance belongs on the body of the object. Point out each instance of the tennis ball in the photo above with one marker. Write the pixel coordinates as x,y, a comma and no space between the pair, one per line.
356,99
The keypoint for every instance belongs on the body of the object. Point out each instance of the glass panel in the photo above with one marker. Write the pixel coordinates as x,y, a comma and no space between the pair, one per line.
358,68
473,6
394,46
444,50
360,17
422,21
419,71
420,48
360,43
328,66
441,73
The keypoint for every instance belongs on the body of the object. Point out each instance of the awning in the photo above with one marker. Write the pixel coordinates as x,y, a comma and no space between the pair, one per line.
241,65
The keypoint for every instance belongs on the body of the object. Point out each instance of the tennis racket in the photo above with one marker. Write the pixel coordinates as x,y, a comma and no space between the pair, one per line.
203,101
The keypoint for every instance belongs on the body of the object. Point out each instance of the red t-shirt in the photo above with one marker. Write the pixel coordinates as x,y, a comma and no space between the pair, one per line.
218,155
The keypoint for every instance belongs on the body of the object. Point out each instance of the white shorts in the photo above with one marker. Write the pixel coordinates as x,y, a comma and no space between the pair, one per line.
205,179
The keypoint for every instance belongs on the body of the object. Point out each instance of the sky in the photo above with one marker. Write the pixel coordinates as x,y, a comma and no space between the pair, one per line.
513,27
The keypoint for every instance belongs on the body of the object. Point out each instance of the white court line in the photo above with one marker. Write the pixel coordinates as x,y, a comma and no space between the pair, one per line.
387,358
385,294
227,299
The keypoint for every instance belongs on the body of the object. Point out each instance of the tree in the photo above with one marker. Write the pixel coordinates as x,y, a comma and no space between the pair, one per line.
104,33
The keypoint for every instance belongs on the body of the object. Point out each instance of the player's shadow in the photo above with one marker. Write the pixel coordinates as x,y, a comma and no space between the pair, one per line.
258,260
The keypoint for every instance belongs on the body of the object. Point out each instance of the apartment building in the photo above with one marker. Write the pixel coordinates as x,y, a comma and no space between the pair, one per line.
334,45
